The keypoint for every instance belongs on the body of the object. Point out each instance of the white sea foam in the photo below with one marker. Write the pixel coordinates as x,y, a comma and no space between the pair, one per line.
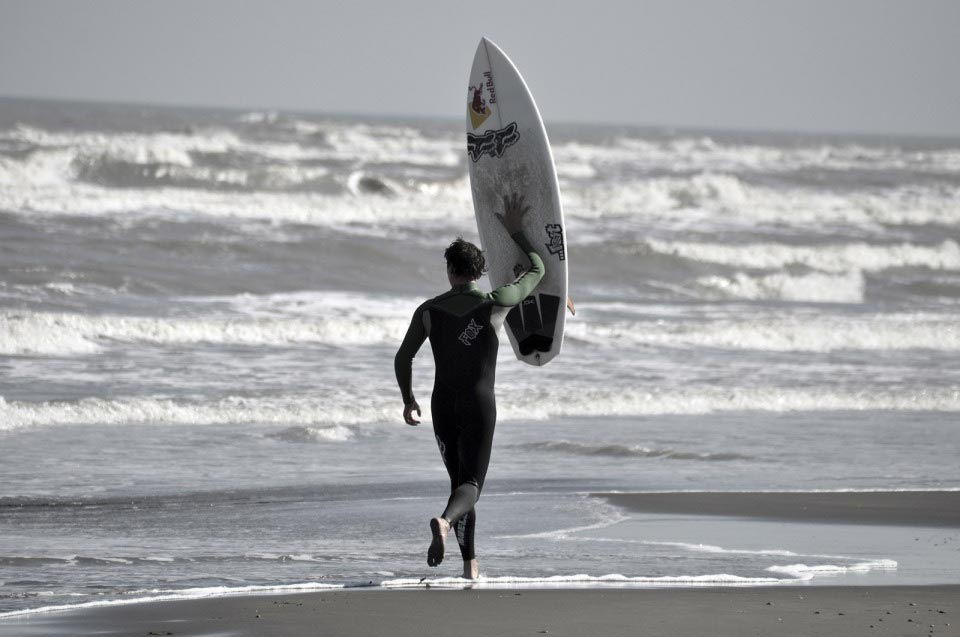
167,595
573,400
843,258
709,548
581,580
451,202
311,303
358,405
708,199
346,141
332,433
42,334
311,317
31,333
561,534
690,154
802,571
41,171
702,548
781,286
779,332
47,182
337,410
555,581
285,320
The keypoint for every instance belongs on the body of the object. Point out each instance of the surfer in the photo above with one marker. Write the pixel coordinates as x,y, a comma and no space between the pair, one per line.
462,325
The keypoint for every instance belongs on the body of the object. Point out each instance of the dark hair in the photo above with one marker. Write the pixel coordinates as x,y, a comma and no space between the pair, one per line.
465,259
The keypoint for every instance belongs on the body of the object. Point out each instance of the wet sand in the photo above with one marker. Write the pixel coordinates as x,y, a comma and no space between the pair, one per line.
850,611
721,611
899,508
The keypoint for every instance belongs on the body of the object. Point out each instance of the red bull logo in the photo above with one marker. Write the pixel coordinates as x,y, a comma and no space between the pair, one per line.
478,109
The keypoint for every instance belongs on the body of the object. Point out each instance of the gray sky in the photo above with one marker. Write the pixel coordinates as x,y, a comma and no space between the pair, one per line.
835,65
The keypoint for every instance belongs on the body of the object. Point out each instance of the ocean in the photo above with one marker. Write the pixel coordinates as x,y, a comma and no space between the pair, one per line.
199,311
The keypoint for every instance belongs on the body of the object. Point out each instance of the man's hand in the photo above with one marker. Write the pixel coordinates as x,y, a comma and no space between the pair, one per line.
513,211
408,413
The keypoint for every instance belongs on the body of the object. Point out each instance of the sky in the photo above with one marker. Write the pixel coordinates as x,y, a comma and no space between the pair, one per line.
873,66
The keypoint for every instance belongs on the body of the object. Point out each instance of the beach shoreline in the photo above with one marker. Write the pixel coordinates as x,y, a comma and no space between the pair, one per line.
786,610
568,606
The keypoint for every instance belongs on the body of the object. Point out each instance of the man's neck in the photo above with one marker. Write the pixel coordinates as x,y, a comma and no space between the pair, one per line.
461,285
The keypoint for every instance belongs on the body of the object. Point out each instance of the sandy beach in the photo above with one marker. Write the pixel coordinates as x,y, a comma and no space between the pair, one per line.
851,611
900,508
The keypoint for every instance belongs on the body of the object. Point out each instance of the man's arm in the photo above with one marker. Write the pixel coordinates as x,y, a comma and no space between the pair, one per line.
403,361
512,220
512,293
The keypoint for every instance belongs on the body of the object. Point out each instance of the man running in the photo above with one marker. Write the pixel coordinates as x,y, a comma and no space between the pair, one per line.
462,325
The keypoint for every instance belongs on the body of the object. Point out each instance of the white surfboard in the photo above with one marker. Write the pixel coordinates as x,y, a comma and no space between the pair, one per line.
508,152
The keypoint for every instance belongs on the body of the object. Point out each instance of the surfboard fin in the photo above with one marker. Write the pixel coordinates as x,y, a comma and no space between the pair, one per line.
573,310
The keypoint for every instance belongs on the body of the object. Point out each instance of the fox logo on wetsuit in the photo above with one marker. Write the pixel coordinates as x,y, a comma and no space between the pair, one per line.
464,347
471,332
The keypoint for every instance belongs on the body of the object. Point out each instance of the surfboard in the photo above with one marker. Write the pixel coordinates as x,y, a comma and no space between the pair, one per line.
508,152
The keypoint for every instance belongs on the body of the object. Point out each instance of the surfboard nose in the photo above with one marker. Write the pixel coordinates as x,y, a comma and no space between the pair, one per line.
486,44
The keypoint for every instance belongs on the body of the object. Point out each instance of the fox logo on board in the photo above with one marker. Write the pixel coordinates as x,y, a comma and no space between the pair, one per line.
492,142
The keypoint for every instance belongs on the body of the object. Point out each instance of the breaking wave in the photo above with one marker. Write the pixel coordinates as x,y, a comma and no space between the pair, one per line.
780,333
730,201
695,154
542,405
781,286
351,320
328,173
76,334
359,406
826,258
334,413
333,433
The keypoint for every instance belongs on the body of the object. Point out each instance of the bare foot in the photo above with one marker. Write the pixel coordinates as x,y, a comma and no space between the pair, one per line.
470,569
439,527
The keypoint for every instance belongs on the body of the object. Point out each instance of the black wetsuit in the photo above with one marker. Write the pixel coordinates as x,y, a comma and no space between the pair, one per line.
462,325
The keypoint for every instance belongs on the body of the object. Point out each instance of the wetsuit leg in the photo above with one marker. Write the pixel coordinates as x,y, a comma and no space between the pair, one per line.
465,530
463,423
446,431
475,414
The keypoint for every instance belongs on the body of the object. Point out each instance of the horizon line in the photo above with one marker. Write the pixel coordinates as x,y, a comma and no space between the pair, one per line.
660,128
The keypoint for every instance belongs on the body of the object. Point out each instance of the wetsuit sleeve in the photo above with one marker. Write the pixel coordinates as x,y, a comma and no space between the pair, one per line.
513,293
403,361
